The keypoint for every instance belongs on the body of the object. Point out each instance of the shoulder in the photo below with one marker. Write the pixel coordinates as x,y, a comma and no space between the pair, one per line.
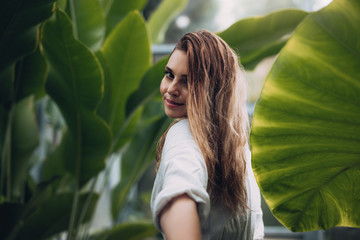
179,139
180,129
180,149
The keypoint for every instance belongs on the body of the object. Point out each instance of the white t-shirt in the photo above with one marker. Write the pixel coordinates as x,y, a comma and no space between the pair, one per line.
183,170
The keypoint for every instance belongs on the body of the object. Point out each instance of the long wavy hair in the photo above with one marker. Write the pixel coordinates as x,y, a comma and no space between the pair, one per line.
217,114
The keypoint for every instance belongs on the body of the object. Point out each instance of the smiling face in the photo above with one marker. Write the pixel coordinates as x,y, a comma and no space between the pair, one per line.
173,87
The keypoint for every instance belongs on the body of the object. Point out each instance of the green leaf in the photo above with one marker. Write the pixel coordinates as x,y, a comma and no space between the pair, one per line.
147,90
116,10
54,166
18,27
53,216
61,4
162,17
149,86
130,231
256,38
126,56
12,211
75,83
7,78
138,155
16,213
90,23
3,122
31,73
25,139
129,128
305,136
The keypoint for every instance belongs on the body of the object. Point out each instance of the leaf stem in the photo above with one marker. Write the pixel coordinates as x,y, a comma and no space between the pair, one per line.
86,207
73,211
6,157
73,18
6,150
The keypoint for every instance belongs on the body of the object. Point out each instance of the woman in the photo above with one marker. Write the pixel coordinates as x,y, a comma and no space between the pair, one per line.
205,187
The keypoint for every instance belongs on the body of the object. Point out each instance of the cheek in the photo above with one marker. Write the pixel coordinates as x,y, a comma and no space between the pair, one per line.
185,94
163,87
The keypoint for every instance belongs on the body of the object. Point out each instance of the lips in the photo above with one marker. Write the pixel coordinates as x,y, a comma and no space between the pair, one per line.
172,104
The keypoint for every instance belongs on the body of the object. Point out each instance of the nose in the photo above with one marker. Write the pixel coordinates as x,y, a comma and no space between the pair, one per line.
173,88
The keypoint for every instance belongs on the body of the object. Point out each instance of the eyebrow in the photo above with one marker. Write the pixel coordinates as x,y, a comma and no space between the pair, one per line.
170,70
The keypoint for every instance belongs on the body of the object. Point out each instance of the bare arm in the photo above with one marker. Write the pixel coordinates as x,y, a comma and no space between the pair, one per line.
180,220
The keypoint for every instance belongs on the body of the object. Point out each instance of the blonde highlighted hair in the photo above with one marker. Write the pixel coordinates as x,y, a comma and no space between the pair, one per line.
217,114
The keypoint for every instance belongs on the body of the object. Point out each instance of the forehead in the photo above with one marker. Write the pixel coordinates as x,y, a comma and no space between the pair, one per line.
178,62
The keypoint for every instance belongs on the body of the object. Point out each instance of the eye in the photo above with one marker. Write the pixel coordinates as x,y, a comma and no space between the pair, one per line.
169,75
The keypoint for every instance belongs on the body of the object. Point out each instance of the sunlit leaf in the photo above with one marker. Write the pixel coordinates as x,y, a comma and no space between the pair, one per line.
256,38
162,17
90,23
306,136
116,10
149,86
125,56
61,4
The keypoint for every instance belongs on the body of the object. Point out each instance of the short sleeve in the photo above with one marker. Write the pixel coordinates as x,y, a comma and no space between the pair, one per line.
182,170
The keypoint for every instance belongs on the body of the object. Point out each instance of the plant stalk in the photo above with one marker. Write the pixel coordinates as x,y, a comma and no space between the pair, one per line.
73,18
73,212
87,203
6,157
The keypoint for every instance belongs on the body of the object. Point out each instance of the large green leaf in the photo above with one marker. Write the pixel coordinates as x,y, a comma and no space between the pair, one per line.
20,136
130,231
17,213
259,37
126,56
25,139
89,22
140,152
306,136
76,84
18,24
53,216
31,72
162,17
18,36
149,86
147,90
116,10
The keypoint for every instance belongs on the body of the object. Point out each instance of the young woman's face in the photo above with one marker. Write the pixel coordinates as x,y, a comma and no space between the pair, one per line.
173,87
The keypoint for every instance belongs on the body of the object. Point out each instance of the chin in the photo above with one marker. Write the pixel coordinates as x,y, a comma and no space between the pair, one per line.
175,115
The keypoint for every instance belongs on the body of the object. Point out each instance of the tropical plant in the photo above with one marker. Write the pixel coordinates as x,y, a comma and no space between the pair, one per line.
67,69
305,134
